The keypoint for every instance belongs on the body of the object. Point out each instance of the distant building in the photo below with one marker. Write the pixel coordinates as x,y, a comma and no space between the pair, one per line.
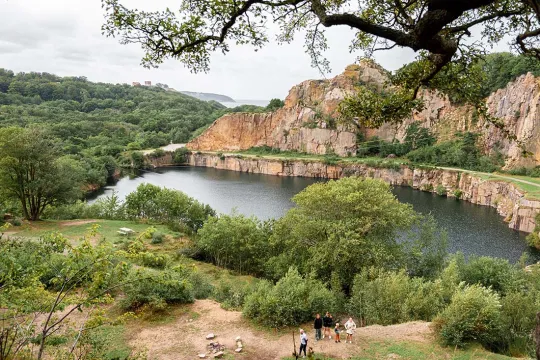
135,83
147,83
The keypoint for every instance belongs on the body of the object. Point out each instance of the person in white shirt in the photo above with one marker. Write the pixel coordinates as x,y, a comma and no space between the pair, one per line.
303,342
350,327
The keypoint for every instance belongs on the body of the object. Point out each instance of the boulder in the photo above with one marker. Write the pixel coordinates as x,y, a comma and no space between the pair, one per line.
238,350
202,356
210,336
218,354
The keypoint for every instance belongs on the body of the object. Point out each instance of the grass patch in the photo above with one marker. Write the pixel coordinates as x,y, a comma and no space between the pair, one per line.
415,351
73,230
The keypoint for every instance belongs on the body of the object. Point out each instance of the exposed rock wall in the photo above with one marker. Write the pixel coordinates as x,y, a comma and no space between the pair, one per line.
509,201
306,123
517,106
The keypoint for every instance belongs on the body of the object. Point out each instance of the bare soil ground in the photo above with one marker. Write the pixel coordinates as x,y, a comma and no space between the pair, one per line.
185,336
77,222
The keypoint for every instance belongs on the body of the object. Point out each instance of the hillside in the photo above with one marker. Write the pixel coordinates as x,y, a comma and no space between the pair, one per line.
94,123
208,96
309,120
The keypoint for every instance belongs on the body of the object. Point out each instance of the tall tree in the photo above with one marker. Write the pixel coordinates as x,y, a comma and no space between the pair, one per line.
32,172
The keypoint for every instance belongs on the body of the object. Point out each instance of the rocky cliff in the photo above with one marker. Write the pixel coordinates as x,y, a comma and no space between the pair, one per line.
307,121
517,106
509,201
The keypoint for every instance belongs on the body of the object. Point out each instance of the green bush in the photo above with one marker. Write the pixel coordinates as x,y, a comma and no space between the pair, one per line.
202,288
497,274
440,190
458,193
232,294
149,259
236,242
157,153
157,237
519,317
180,156
385,298
166,206
292,301
474,315
157,288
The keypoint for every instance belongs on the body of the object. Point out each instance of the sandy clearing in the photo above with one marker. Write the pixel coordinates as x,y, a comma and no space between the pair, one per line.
183,339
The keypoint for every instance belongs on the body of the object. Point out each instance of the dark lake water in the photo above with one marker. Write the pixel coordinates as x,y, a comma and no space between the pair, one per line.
471,229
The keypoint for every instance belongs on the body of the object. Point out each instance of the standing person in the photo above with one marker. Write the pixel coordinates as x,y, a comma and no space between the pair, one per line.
318,324
327,322
336,330
303,342
350,326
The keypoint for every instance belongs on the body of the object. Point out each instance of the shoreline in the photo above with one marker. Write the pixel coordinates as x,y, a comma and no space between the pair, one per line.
509,201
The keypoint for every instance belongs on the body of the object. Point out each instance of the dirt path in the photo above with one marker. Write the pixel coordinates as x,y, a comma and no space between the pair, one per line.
77,222
185,336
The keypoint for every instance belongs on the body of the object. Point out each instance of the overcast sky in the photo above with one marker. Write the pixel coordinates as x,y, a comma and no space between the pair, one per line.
64,37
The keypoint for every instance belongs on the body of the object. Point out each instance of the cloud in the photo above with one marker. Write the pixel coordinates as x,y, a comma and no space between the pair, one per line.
64,37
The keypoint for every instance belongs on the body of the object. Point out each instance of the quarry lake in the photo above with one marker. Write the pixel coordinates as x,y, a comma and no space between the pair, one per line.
471,229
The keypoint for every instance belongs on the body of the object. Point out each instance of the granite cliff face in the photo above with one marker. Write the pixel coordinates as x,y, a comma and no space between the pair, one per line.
517,106
306,123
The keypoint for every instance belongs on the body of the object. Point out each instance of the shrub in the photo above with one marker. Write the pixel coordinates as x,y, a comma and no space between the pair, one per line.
180,156
166,206
202,288
158,261
518,315
385,298
458,193
473,315
231,295
157,238
157,153
157,288
440,190
497,274
236,242
292,301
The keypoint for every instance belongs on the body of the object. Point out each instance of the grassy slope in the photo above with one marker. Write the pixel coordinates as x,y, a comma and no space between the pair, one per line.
117,337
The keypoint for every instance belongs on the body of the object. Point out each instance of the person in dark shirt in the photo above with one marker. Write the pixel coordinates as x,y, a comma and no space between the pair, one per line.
327,323
318,324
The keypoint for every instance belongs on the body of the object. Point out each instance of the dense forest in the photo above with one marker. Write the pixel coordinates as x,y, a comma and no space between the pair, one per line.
95,123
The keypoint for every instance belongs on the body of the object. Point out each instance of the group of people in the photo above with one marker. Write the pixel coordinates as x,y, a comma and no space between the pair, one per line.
326,323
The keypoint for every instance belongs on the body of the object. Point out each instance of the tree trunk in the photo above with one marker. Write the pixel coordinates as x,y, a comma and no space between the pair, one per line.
537,336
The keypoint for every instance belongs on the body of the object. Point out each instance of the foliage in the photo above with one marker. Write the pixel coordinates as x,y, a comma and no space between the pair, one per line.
180,156
232,294
385,298
275,104
462,152
340,227
95,123
157,288
472,316
445,60
166,205
32,171
41,278
292,301
236,242
501,68
494,273
157,238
